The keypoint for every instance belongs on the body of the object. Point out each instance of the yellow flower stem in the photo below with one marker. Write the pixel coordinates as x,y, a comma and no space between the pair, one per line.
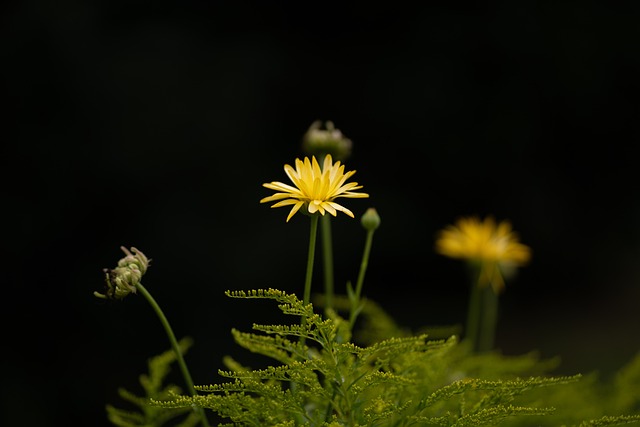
327,257
355,306
174,345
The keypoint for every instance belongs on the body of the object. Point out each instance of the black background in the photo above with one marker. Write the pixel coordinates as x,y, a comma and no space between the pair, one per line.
154,125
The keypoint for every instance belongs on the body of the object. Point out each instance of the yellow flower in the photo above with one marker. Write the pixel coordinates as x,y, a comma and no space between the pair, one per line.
493,247
315,188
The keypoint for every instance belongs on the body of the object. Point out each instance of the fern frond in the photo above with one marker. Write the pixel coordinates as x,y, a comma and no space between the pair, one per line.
394,345
248,387
492,416
380,409
272,294
625,390
132,398
442,421
247,404
511,387
147,415
124,418
611,421
314,329
383,353
376,378
275,347
159,367
495,365
234,365
286,330
297,372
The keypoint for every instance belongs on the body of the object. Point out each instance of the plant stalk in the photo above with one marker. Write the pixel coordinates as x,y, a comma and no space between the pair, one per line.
174,345
306,298
473,315
310,259
327,257
482,315
489,319
355,307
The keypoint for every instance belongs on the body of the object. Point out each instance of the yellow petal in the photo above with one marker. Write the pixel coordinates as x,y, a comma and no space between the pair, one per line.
294,209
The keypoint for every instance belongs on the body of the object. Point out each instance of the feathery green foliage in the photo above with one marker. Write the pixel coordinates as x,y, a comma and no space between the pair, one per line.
396,381
144,414
353,365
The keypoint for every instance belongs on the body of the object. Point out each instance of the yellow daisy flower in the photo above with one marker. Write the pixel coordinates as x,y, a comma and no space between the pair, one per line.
315,187
493,247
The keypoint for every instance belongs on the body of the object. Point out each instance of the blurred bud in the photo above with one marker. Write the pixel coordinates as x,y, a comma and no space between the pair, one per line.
320,142
370,220
122,280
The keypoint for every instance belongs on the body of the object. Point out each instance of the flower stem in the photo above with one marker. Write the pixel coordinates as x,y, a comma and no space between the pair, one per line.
473,315
313,232
327,257
174,345
489,319
355,306
307,283
482,316
310,259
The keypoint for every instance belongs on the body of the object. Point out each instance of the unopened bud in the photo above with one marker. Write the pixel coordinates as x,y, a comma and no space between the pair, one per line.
122,280
370,220
320,142
134,258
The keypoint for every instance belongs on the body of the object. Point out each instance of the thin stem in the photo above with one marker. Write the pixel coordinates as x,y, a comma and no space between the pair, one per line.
488,319
174,345
363,269
473,314
327,257
307,282
310,259
482,315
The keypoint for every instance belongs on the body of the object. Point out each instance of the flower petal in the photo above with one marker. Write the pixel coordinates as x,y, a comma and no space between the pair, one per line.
294,209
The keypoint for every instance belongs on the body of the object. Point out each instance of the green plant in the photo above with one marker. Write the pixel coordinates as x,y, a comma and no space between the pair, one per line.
343,361
153,384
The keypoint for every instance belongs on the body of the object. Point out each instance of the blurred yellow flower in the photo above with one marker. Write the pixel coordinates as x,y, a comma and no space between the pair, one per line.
493,247
315,187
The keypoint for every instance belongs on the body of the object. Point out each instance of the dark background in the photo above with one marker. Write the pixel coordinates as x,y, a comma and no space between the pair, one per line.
154,125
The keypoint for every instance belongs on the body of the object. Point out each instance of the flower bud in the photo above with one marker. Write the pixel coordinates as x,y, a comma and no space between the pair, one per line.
122,280
136,259
320,142
370,220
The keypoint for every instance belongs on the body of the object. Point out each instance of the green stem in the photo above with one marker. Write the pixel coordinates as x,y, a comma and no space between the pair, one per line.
473,314
307,283
327,257
482,315
310,259
174,345
488,320
355,306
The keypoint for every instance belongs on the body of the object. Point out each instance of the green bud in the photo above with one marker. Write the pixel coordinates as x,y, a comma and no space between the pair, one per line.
320,142
122,280
370,220
134,259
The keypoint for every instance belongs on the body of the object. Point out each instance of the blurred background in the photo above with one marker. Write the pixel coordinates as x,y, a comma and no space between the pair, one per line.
154,125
